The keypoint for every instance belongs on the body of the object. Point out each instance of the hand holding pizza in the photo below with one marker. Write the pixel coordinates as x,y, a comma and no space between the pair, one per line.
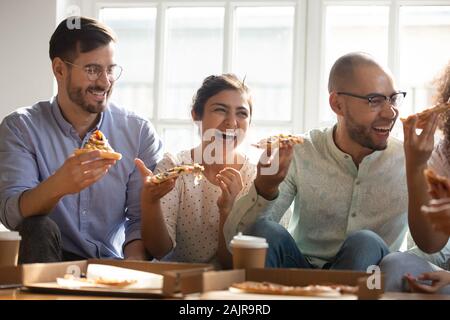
272,169
81,171
230,182
152,192
418,147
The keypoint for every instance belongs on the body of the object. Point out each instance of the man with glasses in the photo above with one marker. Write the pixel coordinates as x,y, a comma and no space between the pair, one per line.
347,181
66,206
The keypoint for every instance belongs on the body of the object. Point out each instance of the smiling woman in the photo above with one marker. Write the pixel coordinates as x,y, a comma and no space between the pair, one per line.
181,220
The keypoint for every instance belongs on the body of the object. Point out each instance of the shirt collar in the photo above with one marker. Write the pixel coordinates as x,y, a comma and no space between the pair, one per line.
337,153
63,124
340,156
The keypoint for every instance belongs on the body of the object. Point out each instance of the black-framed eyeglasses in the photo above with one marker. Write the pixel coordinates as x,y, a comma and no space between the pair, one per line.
94,71
377,101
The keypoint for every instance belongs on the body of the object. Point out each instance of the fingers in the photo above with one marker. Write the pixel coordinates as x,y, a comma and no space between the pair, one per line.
233,174
166,186
409,126
265,160
232,178
225,190
154,191
143,170
88,156
429,276
97,164
91,177
225,178
430,127
95,173
414,286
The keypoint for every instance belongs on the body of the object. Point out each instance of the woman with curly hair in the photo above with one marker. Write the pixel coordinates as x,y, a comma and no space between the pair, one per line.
406,271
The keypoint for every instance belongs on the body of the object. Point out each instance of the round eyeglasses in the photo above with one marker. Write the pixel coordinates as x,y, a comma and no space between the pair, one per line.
94,71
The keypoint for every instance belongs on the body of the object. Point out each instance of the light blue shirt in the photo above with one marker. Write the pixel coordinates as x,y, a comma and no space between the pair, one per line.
333,198
101,219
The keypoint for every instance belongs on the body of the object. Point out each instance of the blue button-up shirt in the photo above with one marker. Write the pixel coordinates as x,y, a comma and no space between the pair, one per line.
101,219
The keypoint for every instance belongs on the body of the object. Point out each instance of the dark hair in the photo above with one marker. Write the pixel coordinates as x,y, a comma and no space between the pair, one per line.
442,84
78,34
212,85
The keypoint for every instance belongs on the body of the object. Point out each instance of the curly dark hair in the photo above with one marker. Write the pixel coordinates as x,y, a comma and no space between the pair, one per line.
442,85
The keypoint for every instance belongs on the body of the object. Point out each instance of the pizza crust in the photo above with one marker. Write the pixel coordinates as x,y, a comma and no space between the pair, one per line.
177,171
275,141
98,142
278,289
424,116
103,154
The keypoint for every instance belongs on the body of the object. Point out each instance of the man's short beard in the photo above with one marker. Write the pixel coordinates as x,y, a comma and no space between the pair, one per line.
361,134
76,96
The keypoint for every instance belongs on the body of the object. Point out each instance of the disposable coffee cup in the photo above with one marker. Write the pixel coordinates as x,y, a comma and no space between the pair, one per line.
248,252
9,248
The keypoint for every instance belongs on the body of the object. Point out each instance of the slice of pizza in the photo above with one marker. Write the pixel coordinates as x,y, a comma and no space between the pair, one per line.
97,141
438,186
174,172
274,141
424,116
278,289
70,280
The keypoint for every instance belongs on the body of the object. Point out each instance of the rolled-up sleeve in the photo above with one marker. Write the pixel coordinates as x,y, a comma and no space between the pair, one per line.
18,170
252,206
151,152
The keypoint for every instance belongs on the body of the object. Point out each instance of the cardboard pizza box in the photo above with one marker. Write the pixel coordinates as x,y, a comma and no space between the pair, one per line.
215,284
178,278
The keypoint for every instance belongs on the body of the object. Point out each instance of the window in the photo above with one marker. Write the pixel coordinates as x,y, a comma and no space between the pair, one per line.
283,48
424,50
265,38
164,68
353,28
411,37
135,28
194,51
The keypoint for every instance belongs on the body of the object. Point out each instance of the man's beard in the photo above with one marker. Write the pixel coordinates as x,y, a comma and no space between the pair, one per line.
361,134
77,96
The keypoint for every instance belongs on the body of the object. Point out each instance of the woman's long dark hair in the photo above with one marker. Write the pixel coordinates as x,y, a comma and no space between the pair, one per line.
442,85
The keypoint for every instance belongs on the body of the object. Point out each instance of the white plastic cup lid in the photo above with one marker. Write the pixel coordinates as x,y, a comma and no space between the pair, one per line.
242,241
10,235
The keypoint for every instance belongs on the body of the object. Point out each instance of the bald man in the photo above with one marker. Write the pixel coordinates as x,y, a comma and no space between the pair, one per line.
347,181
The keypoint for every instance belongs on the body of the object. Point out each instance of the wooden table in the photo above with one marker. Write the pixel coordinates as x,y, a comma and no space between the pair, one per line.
17,294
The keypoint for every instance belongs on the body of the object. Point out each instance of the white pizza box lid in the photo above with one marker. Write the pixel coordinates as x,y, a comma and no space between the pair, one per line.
10,235
243,241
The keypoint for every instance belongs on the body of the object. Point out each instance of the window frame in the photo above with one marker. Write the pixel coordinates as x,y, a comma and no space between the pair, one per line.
308,56
296,123
316,56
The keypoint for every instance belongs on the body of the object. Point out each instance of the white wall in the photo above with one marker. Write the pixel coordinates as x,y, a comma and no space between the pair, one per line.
25,30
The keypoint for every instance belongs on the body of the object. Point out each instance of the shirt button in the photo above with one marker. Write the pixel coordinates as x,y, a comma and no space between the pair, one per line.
253,199
357,182
84,212
354,214
346,157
